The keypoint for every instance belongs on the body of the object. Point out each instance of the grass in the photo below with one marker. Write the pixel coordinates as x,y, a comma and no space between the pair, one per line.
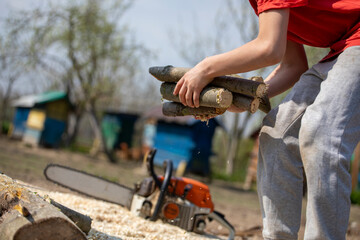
240,162
27,163
79,148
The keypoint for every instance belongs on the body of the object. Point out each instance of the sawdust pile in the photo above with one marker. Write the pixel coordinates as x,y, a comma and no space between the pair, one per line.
113,222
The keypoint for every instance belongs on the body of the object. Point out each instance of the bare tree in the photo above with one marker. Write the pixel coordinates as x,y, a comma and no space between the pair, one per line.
85,47
12,68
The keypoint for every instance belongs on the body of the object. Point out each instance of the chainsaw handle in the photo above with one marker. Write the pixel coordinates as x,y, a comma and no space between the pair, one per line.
220,218
150,166
164,186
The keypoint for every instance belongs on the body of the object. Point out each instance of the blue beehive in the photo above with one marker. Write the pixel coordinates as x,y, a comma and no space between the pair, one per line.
184,139
19,122
41,119
118,128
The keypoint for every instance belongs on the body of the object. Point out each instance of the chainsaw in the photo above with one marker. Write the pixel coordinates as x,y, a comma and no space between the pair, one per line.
179,201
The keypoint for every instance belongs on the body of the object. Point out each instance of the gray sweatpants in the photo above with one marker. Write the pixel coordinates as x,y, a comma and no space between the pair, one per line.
316,127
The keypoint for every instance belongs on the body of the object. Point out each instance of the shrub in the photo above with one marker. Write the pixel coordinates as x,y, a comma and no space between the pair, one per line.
355,197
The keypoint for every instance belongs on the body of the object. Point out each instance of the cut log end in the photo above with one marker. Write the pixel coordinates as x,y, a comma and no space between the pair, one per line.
209,97
261,91
224,98
245,102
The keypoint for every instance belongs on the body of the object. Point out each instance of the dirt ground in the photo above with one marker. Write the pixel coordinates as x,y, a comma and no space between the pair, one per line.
240,207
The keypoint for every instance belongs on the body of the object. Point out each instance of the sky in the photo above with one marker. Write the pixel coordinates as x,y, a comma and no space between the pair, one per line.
151,21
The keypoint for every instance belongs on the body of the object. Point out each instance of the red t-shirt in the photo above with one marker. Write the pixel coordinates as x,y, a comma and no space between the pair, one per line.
319,23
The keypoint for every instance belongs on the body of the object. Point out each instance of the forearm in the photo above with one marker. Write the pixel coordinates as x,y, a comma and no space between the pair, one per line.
288,72
266,50
249,57
280,80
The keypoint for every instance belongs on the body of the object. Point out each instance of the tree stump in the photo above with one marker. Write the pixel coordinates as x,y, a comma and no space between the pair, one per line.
25,215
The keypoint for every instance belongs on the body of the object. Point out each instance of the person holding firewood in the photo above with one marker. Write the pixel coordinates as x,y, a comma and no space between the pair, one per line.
316,127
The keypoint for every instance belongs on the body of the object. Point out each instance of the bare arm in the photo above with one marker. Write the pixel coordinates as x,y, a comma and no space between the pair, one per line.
267,49
288,72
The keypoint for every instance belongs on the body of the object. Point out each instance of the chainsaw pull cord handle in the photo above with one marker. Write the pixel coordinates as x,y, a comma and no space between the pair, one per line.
150,166
164,186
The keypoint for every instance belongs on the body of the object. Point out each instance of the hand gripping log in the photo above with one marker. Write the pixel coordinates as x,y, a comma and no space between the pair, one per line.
223,91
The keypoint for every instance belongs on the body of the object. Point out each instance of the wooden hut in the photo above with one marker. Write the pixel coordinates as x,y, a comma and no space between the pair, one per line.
118,129
41,119
22,106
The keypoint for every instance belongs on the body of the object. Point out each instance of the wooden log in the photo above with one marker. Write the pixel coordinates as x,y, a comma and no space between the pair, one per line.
245,102
265,104
209,97
173,109
81,220
215,97
168,73
231,83
241,85
25,215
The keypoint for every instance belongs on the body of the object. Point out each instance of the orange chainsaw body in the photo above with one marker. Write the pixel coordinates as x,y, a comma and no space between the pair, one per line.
197,193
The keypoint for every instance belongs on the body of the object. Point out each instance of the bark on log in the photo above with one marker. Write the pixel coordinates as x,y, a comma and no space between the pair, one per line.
81,220
231,83
241,85
245,102
24,215
209,97
173,109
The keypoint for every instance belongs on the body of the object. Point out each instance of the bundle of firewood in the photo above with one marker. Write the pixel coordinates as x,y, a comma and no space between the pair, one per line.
217,97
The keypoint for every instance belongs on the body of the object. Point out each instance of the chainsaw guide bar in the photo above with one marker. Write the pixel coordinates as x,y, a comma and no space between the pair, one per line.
90,185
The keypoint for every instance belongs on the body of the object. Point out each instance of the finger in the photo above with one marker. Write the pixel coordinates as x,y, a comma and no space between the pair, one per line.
196,98
178,86
182,93
189,98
